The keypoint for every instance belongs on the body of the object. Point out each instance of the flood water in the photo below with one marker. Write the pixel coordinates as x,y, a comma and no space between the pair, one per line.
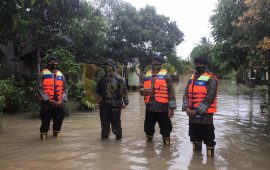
242,136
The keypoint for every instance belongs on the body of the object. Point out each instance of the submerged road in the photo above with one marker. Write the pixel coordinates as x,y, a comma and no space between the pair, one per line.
242,136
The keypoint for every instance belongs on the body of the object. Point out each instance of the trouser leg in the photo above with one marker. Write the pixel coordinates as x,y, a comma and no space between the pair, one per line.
45,116
165,126
58,117
208,132
195,136
149,125
208,138
105,119
116,122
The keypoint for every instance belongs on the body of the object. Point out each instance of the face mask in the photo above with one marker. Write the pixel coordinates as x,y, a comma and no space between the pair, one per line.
52,66
108,70
200,69
156,66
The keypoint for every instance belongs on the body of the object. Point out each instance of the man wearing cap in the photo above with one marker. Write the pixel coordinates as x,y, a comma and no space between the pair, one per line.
199,102
53,91
159,98
113,92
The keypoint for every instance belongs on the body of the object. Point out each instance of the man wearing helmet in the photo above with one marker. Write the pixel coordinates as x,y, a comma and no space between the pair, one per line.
53,91
159,98
112,89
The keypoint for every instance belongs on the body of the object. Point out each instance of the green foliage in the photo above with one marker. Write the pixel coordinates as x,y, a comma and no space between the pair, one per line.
226,52
88,32
137,34
75,90
202,48
31,99
90,98
181,66
205,48
67,63
169,68
12,96
147,68
11,11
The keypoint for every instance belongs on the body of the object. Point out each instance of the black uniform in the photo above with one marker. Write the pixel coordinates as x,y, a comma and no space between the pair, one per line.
112,90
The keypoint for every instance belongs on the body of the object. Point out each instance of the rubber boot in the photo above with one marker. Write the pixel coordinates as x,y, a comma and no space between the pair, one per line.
118,137
103,136
56,134
197,146
149,138
210,151
43,136
166,141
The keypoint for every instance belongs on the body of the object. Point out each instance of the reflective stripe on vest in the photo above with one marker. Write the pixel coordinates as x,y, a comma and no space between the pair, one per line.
160,86
198,90
53,86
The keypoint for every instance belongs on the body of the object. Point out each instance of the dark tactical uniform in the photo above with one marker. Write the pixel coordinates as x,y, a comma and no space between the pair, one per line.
48,111
112,90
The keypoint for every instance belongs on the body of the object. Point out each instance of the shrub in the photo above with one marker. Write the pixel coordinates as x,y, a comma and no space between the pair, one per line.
12,96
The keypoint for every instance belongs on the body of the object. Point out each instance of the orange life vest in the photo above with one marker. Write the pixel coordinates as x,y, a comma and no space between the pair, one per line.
160,86
53,86
197,92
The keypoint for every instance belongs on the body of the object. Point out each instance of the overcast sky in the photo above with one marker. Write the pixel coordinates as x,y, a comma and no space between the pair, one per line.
192,17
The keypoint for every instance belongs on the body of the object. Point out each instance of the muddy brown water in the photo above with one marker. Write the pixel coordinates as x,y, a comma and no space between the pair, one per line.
242,136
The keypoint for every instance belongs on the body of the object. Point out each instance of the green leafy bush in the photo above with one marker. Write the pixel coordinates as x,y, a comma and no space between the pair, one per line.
90,98
12,96
75,90
67,63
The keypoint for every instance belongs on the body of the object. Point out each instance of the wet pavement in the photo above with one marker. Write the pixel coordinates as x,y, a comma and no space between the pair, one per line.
242,136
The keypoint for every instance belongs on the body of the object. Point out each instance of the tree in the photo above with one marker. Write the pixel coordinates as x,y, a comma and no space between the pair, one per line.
137,34
226,51
181,66
159,34
255,23
205,48
44,25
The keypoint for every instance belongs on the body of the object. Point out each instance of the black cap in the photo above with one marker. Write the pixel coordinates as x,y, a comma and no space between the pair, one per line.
52,58
158,57
201,60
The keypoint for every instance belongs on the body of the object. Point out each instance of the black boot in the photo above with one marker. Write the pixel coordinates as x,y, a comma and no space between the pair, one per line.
210,151
197,146
43,136
56,134
118,137
103,136
149,138
166,141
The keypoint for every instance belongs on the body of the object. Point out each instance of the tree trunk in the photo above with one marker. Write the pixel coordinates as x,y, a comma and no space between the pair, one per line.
38,60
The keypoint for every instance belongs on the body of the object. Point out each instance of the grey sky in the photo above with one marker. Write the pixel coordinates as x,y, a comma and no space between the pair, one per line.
192,17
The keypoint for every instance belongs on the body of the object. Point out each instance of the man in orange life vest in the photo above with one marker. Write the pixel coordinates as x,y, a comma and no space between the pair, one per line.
53,91
199,102
159,98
